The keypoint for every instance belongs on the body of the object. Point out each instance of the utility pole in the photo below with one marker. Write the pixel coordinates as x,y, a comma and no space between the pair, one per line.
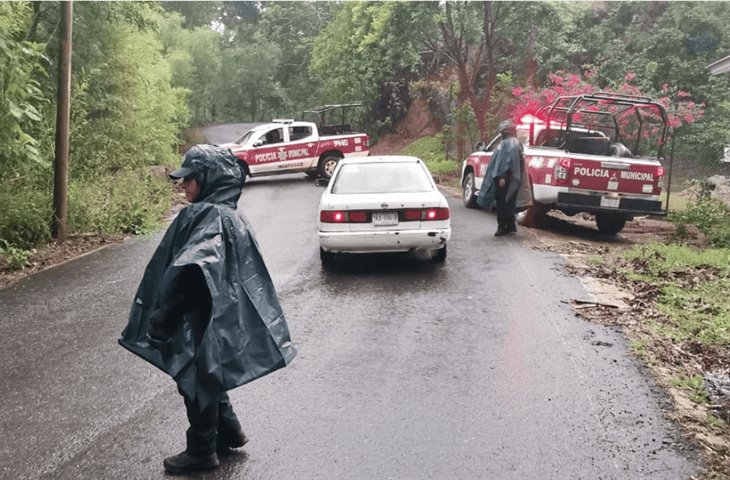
59,223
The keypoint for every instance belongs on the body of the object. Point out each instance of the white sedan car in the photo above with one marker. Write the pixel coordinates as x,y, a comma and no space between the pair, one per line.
383,204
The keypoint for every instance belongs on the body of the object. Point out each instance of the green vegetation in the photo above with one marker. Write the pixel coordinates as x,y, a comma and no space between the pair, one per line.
433,151
692,287
693,385
106,206
711,216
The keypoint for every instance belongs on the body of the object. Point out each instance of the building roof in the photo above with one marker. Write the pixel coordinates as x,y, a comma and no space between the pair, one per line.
720,66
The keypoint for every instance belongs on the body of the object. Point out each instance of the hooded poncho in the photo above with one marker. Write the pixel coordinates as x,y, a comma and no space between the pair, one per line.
247,336
507,158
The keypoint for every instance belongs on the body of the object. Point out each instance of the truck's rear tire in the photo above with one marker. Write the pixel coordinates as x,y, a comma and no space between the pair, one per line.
532,216
327,165
610,223
468,190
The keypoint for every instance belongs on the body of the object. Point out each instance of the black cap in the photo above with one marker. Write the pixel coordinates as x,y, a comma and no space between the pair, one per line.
182,172
507,126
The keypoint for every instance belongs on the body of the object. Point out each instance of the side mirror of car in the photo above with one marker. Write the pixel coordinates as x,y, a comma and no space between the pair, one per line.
436,179
322,182
258,143
479,147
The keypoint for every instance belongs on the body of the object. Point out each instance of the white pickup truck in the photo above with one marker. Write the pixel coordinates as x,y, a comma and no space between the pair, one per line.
286,146
577,159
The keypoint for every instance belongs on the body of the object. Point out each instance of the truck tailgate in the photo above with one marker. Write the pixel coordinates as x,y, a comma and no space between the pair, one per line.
616,175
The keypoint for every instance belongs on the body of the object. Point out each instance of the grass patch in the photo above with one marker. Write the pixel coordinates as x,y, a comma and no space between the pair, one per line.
694,386
432,151
692,290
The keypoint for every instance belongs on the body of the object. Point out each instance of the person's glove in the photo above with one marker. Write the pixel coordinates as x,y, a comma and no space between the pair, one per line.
158,336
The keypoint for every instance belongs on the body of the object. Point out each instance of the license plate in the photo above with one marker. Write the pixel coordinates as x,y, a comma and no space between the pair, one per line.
385,218
610,202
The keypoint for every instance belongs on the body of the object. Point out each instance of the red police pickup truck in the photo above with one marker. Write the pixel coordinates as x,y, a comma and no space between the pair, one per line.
578,161
286,146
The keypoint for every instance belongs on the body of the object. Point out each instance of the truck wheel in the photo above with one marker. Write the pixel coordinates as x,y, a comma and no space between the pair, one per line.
327,166
532,216
610,223
469,190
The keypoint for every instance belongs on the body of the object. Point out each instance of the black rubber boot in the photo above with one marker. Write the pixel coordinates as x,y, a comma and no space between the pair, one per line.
500,232
185,463
230,434
228,439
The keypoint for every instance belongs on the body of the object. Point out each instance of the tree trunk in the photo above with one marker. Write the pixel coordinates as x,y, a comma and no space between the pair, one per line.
489,25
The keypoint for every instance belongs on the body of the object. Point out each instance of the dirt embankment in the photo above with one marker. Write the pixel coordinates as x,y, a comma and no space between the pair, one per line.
417,123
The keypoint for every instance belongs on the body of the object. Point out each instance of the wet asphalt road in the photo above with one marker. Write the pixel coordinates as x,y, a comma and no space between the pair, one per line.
406,369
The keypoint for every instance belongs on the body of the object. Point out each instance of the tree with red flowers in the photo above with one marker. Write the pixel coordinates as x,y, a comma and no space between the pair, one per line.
680,108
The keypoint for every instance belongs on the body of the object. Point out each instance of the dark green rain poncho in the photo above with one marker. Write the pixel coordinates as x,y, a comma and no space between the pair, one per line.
507,158
247,336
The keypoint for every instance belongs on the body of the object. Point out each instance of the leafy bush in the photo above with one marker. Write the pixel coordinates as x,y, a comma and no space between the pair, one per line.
13,257
710,216
127,202
431,151
25,216
21,96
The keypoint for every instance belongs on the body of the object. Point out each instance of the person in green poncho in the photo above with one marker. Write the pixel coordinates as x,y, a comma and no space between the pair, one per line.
504,179
206,311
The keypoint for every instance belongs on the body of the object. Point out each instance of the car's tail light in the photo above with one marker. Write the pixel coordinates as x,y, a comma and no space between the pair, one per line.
358,217
343,216
332,216
660,172
436,214
425,214
411,215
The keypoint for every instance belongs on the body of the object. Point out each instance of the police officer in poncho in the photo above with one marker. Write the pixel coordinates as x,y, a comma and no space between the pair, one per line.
506,181
206,311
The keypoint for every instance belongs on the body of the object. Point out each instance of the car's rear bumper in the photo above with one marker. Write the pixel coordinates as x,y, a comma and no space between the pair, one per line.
384,241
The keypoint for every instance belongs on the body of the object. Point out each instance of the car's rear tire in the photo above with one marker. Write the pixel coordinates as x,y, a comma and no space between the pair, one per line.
327,258
439,255
610,223
468,191
327,165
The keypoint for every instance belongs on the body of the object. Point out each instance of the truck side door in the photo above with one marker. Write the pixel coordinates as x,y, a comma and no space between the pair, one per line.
302,149
483,158
268,151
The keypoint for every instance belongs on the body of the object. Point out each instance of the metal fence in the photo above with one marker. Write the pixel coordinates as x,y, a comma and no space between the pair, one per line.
689,165
691,168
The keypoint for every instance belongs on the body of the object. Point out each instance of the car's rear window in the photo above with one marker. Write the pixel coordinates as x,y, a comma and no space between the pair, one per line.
382,177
